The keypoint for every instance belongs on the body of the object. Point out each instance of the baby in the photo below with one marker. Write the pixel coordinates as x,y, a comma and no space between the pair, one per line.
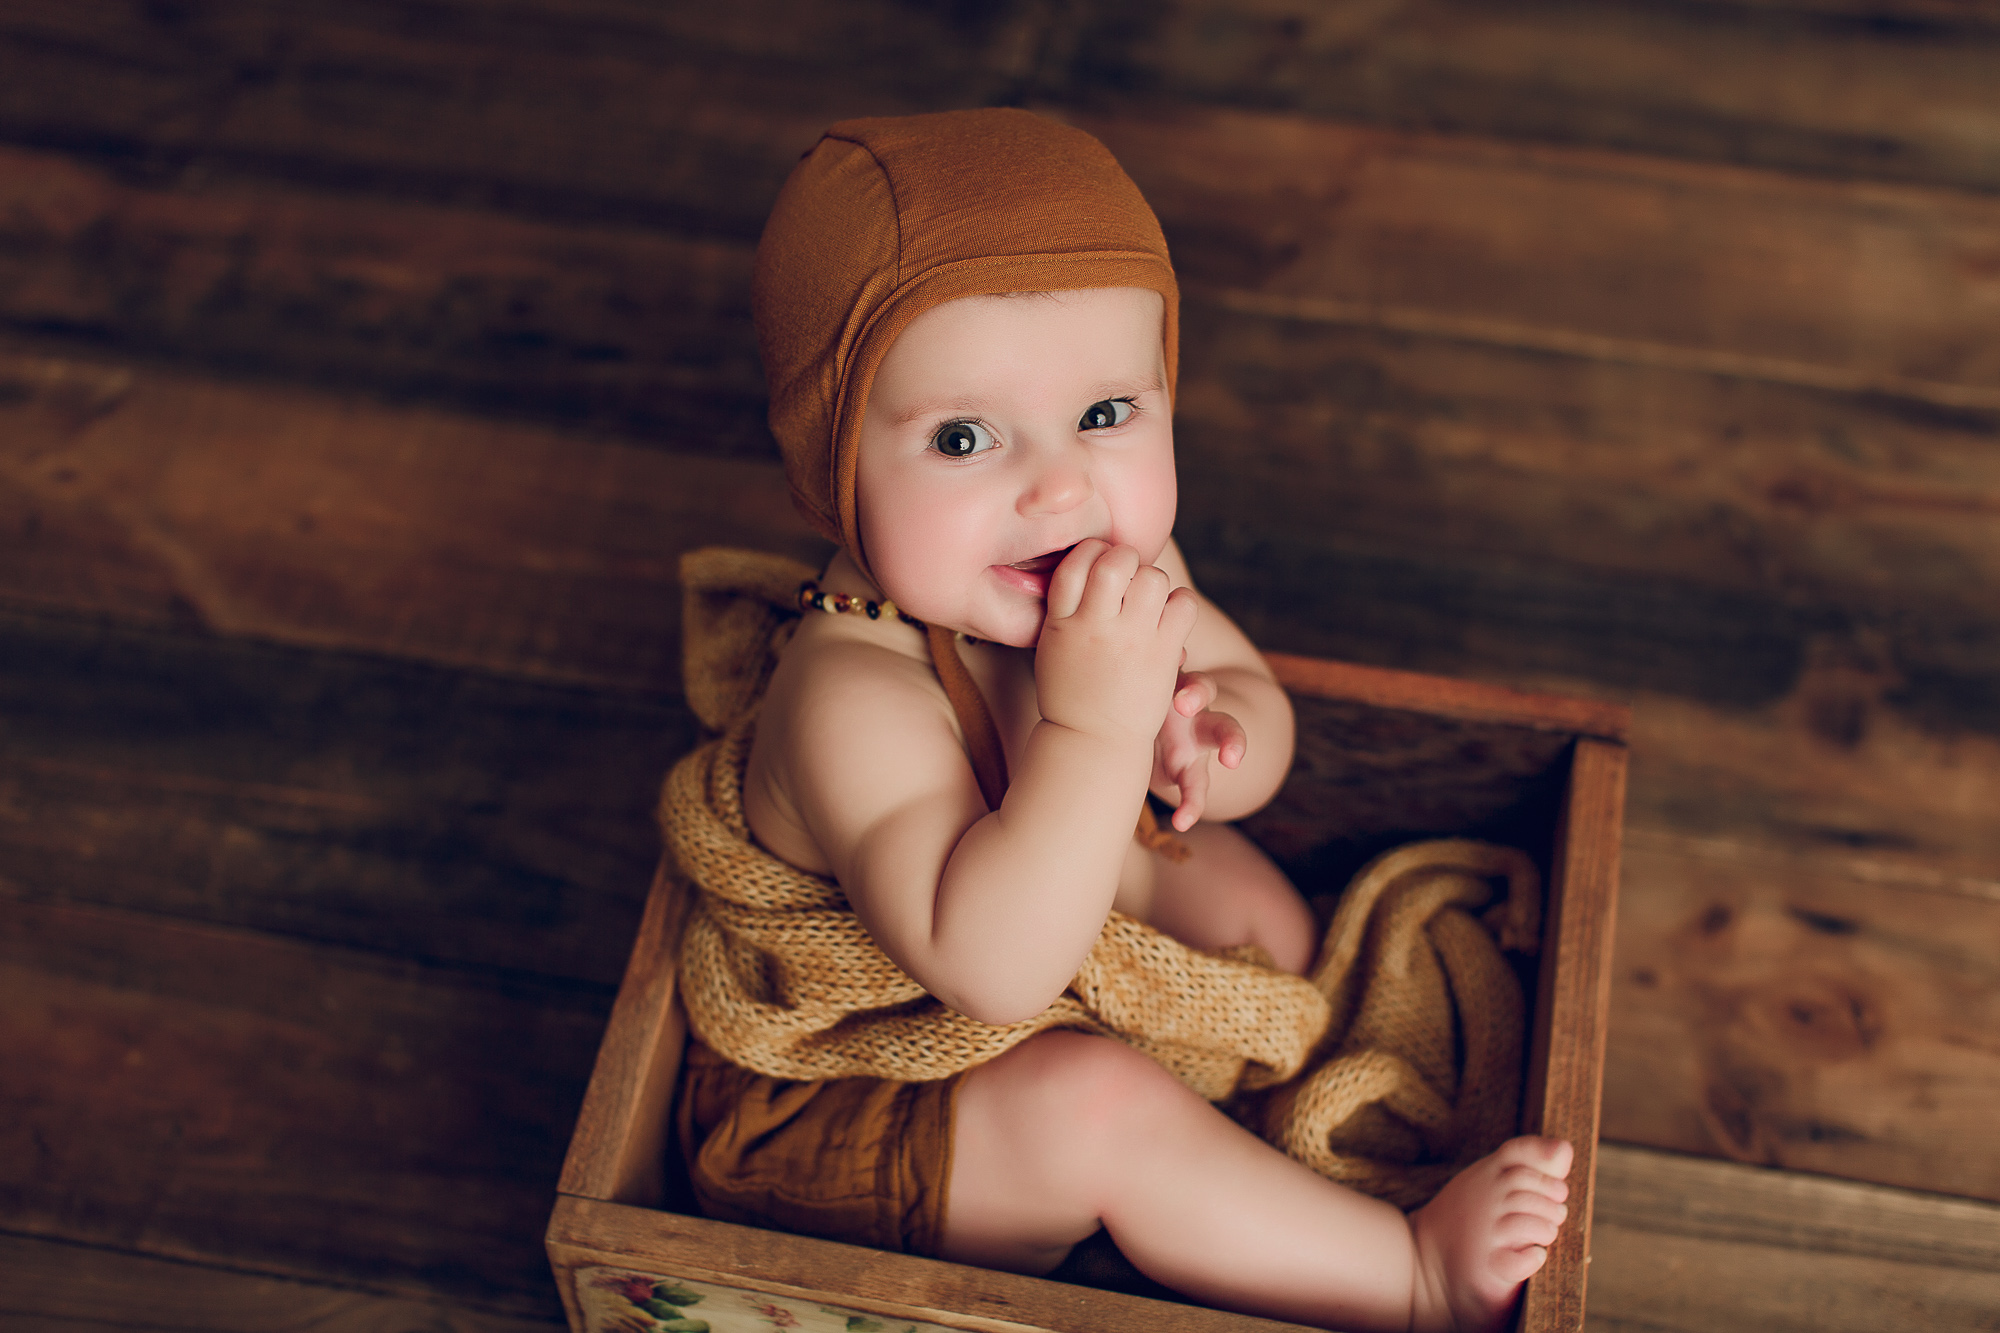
970,327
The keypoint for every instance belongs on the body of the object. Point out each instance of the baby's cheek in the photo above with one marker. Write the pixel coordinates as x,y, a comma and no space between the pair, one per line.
1153,501
1149,495
922,548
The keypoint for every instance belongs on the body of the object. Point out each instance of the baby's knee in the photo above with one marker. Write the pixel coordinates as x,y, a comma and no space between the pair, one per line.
1099,1089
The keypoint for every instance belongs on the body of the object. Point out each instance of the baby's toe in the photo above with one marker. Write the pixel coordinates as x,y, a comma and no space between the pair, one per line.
1536,1204
1551,1156
1518,1229
1522,1178
1513,1267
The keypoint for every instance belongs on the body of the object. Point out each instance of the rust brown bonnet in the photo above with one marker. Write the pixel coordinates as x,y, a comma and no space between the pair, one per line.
887,217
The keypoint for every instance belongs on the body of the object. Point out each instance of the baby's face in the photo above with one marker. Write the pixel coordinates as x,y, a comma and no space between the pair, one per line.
1000,432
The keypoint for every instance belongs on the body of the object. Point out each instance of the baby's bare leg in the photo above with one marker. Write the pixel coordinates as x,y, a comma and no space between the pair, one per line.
1068,1131
1230,893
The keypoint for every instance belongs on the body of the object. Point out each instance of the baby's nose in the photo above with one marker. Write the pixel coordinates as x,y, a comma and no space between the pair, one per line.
1060,482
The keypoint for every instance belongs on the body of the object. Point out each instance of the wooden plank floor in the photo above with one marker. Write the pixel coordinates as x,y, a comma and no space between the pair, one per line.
1682,1243
50,1286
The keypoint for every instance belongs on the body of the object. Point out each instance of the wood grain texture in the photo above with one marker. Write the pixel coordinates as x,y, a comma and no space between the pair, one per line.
584,1231
1470,510
1889,14
1805,1014
613,110
341,522
221,1095
1860,94
1882,798
690,114
388,806
1623,254
1708,1286
595,326
1850,286
1687,1246
1671,1194
57,1287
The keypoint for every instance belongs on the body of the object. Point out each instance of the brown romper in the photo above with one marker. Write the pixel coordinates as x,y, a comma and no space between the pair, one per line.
861,1160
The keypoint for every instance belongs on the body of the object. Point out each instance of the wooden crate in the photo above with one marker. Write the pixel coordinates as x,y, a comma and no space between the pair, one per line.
1384,757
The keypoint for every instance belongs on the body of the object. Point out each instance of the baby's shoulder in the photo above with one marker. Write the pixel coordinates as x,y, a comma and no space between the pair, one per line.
838,693
847,729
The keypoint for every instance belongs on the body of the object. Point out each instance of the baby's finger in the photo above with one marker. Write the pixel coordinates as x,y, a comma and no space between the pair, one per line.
1223,734
1066,583
1110,576
1147,593
1178,615
1067,579
1194,692
1193,782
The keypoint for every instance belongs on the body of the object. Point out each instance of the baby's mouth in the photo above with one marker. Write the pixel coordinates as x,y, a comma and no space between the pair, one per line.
1042,563
1032,575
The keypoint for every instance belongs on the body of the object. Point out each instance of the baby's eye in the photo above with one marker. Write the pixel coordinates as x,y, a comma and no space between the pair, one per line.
960,439
1110,412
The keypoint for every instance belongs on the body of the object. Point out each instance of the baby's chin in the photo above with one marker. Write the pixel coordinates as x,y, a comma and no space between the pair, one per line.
1018,640
1013,627
1010,636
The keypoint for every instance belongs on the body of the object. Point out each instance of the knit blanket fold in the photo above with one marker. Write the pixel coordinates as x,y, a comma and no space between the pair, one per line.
1395,1061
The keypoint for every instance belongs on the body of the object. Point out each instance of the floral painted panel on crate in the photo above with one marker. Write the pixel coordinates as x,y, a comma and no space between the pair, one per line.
619,1300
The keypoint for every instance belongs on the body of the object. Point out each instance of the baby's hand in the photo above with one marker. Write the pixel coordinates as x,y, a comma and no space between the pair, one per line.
1191,731
1111,643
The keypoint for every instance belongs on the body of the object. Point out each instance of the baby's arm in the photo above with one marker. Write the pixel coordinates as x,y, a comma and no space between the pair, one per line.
992,912
1242,748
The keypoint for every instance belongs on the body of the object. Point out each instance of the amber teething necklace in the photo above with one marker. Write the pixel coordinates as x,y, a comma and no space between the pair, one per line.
846,603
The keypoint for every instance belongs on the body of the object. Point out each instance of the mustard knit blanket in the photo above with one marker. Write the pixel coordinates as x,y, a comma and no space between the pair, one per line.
1397,1060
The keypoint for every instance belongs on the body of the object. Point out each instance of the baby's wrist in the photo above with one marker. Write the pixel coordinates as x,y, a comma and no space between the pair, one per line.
1096,746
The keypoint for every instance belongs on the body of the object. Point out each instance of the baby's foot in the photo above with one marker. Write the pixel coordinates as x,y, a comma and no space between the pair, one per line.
1487,1230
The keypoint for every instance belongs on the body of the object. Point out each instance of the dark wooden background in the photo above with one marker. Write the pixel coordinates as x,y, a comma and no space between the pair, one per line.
365,366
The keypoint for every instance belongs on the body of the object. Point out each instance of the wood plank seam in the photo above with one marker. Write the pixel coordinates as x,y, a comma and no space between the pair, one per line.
1585,346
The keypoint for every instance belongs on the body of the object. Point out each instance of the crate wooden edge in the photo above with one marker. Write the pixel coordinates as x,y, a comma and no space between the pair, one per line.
1564,1088
614,1158
1441,696
584,1232
616,1151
